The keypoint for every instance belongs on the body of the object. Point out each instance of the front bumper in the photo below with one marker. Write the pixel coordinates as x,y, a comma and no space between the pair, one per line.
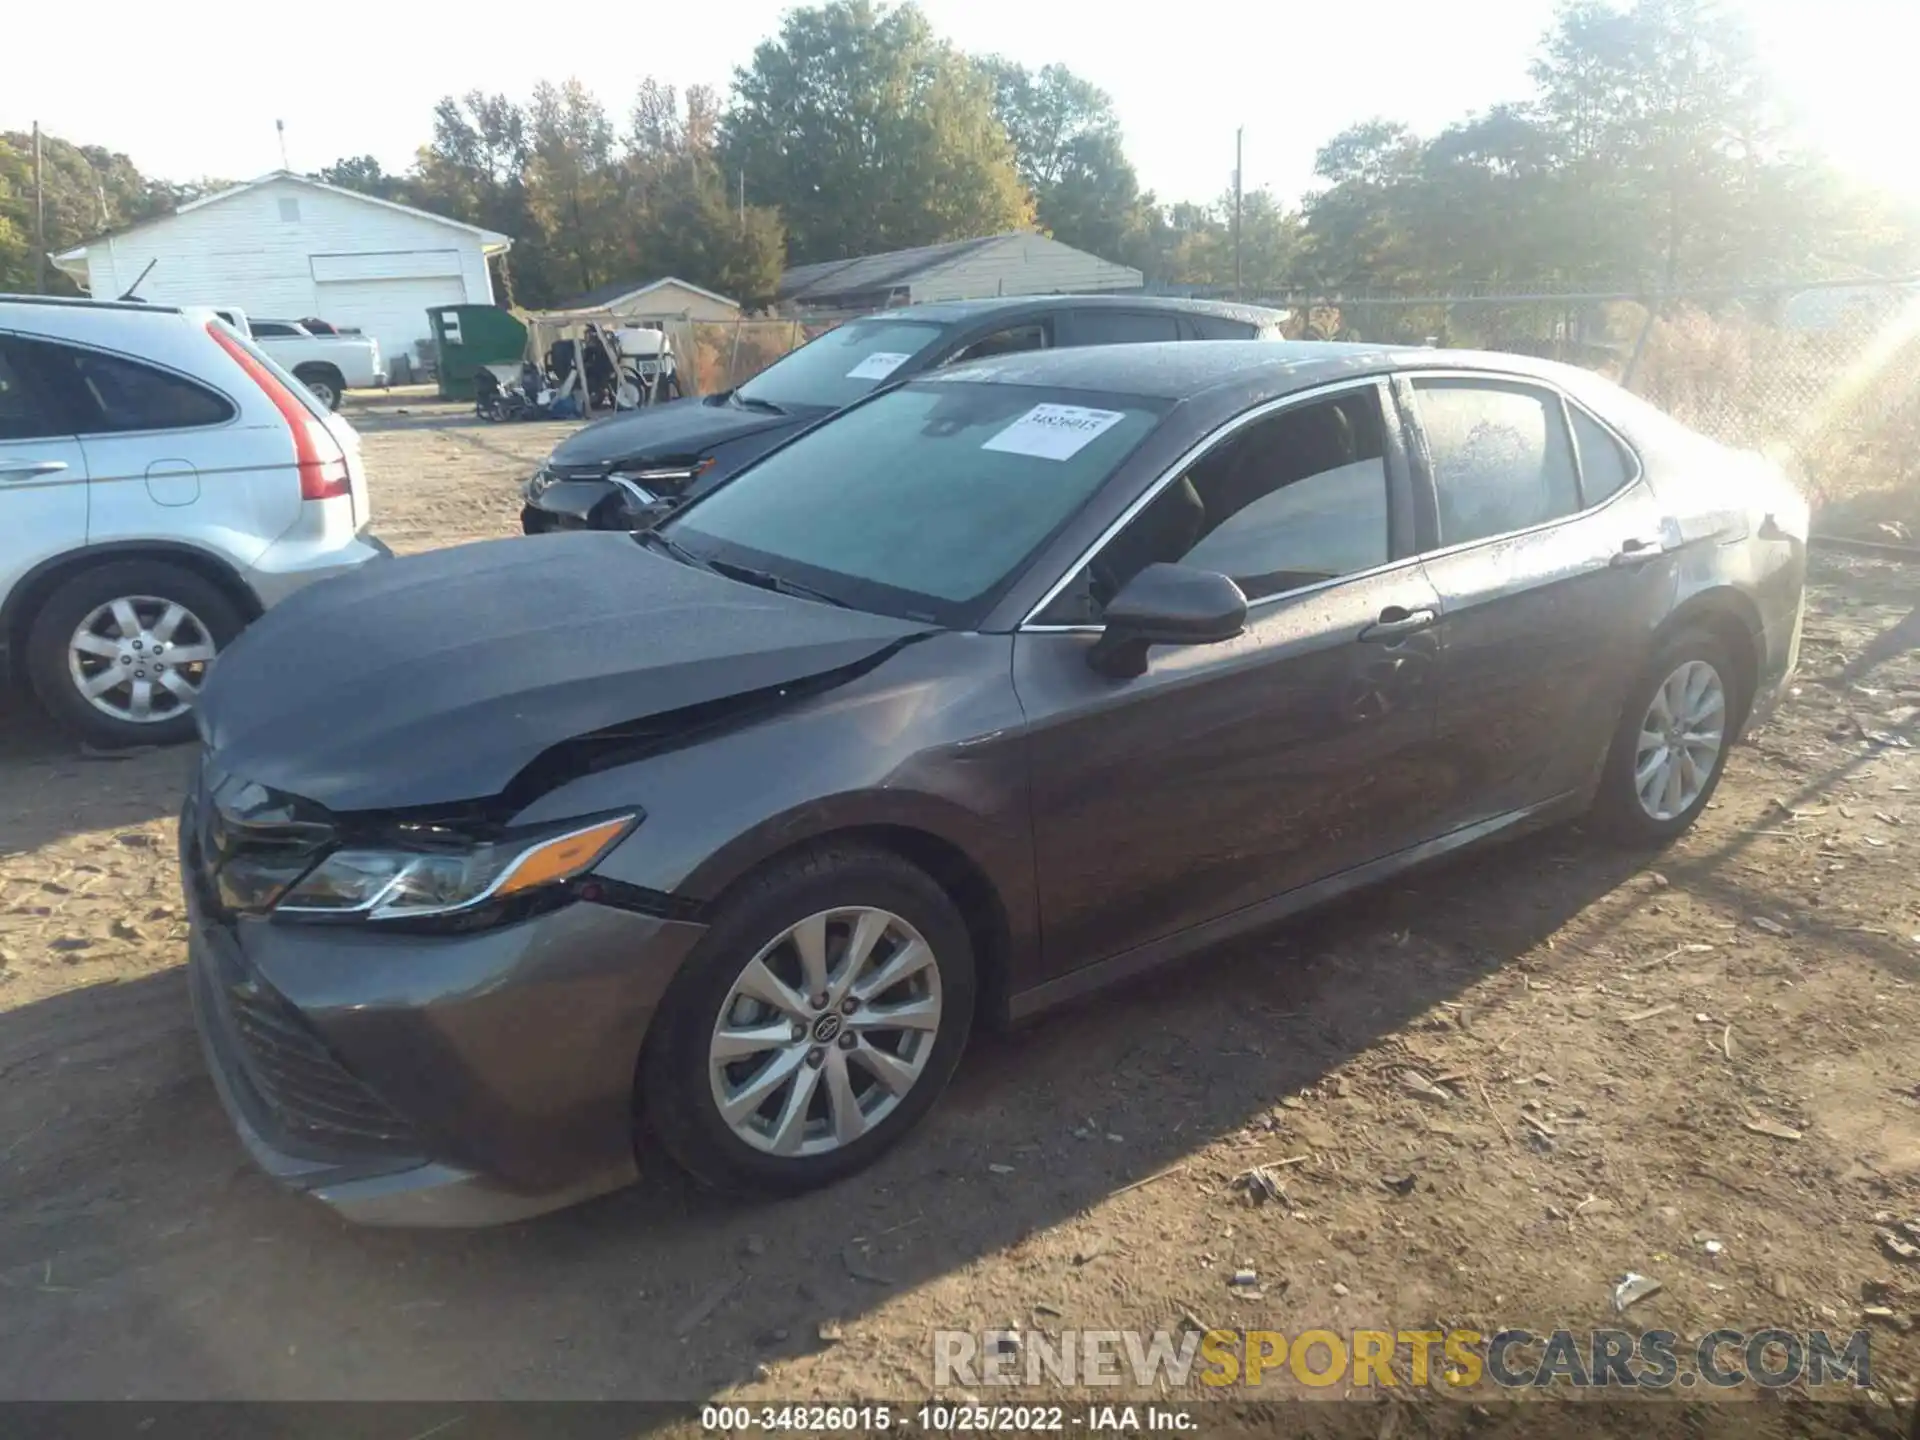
434,1080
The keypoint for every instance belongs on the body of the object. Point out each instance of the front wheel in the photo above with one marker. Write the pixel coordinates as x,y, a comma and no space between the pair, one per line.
1671,748
818,1020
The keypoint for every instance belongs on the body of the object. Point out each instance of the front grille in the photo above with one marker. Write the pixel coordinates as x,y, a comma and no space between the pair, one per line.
311,1094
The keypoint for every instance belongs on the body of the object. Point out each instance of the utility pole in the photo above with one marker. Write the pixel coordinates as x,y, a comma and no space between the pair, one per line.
39,219
280,126
1238,135
743,200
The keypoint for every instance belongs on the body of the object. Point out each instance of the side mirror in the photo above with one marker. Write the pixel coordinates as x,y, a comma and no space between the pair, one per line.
1166,605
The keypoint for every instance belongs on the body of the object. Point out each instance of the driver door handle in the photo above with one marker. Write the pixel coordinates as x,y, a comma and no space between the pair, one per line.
1637,551
1396,622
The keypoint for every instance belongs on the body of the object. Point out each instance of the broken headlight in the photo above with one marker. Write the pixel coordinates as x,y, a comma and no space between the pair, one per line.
408,884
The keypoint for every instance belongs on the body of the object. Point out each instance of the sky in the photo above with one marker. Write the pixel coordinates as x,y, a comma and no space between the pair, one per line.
193,89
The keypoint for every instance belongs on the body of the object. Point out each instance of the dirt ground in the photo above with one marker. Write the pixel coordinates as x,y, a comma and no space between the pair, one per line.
1494,1089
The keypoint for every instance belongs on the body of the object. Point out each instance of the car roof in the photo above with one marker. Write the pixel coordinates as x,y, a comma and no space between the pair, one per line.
955,312
1176,370
66,302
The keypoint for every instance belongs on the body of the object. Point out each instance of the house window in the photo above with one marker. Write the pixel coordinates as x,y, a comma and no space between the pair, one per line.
289,209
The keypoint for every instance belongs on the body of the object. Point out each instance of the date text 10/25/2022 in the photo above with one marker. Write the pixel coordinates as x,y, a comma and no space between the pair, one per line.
943,1419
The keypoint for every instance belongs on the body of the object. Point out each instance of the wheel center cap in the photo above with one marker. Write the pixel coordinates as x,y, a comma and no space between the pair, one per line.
826,1028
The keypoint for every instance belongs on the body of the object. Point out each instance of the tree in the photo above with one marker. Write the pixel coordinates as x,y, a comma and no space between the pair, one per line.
570,183
868,134
1068,150
363,173
474,169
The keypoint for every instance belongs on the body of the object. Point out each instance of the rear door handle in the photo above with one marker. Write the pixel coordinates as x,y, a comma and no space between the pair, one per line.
1396,622
28,469
1637,552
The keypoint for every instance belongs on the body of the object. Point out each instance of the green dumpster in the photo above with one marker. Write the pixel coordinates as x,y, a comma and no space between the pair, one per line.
465,337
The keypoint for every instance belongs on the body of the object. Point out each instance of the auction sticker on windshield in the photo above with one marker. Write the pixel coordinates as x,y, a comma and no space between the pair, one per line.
1054,432
878,365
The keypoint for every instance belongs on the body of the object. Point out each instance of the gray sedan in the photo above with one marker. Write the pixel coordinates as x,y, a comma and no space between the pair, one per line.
1003,685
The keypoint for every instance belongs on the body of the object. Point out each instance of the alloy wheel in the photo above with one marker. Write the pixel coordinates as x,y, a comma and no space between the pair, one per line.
1681,737
825,1031
140,658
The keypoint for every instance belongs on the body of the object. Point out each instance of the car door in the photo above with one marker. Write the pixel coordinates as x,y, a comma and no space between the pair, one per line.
1104,325
165,456
1230,773
43,472
1548,580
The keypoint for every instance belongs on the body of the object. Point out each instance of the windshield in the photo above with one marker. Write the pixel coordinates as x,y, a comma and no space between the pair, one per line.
842,365
924,502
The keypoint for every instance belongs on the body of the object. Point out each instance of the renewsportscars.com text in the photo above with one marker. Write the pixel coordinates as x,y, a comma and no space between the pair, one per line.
1384,1359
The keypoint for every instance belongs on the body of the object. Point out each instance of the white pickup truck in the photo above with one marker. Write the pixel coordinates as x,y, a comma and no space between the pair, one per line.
328,365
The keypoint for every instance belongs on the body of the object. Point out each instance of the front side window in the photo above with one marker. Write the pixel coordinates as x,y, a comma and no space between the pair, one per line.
1501,457
1294,500
116,394
924,502
24,412
842,366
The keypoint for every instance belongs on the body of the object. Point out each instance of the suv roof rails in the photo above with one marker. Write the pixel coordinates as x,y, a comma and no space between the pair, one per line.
86,303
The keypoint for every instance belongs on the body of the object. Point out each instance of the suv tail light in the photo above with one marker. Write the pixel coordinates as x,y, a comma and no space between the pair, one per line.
317,455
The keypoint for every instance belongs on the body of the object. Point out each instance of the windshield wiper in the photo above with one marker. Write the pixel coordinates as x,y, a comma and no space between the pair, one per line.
767,580
674,548
754,402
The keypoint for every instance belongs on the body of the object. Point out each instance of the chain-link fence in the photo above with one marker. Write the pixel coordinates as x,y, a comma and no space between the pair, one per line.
727,353
1824,376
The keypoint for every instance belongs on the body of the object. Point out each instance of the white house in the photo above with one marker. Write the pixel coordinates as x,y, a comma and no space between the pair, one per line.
285,247
668,298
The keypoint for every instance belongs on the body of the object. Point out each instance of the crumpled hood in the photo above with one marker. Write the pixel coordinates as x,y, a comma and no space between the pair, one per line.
677,430
437,678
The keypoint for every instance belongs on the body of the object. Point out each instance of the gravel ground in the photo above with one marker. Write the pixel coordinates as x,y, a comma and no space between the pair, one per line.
1492,1090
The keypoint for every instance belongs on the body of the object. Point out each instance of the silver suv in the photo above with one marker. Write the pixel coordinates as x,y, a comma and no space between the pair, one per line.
162,482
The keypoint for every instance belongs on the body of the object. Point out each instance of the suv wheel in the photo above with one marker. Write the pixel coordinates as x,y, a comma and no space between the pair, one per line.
119,652
817,1021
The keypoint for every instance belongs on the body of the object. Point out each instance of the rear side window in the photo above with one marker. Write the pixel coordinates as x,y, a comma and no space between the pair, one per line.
1501,457
1218,327
271,329
1604,467
113,394
24,411
1119,327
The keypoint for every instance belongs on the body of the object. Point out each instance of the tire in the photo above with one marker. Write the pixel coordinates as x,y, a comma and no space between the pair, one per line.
1618,807
325,384
681,1080
57,670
